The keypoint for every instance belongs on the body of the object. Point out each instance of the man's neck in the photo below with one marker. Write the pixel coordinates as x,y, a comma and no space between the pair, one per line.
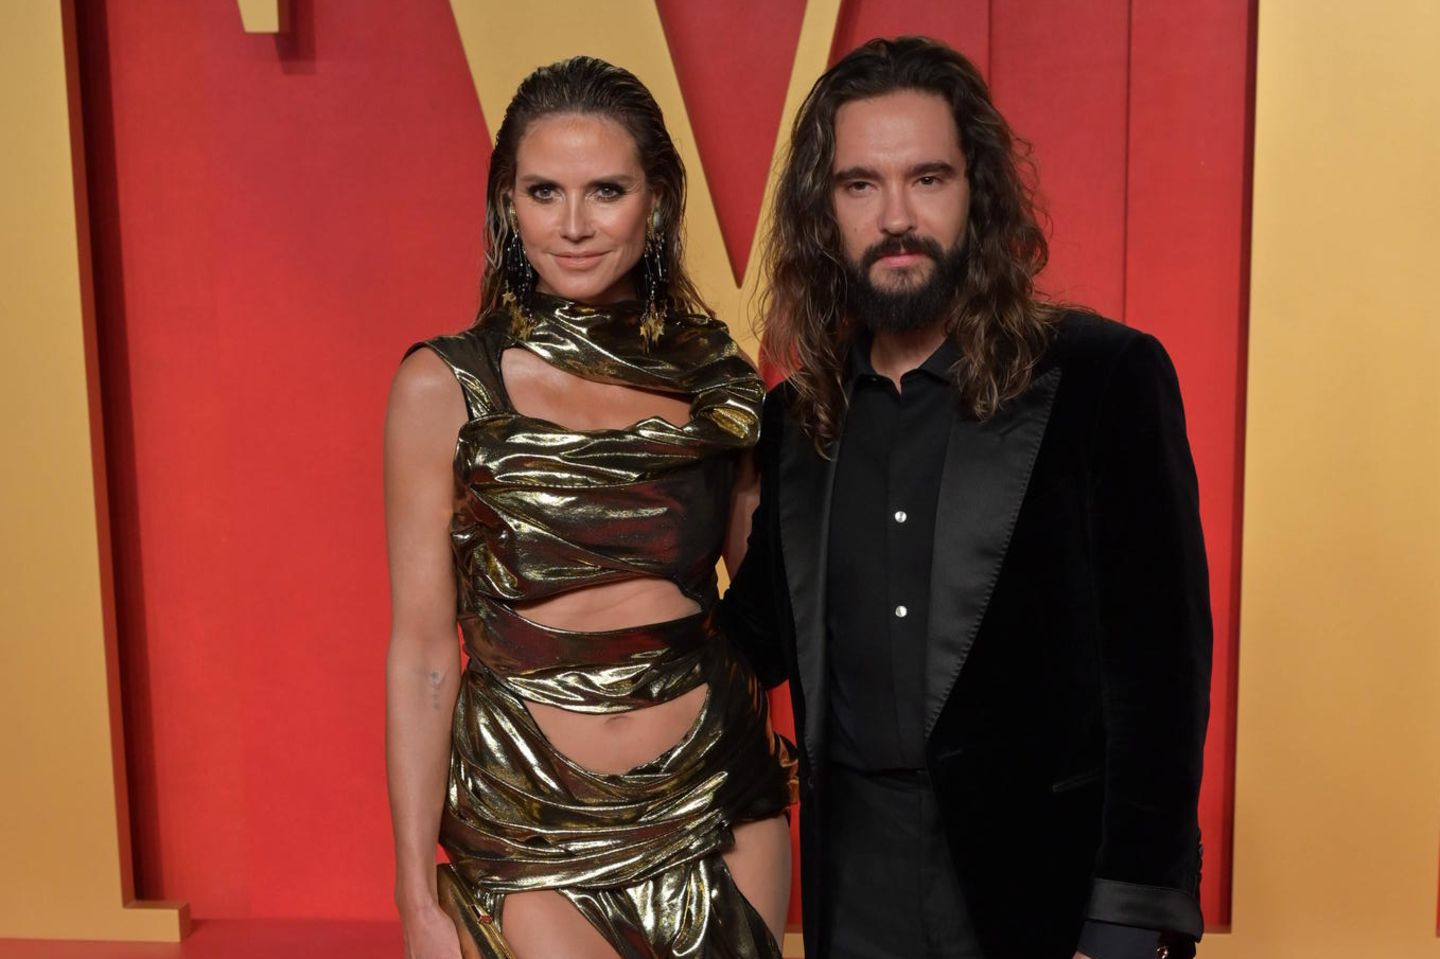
894,353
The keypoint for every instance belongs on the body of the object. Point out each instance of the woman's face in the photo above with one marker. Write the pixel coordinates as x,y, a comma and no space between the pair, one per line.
582,204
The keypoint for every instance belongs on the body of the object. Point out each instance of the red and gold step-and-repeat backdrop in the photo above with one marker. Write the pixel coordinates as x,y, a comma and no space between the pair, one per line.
228,219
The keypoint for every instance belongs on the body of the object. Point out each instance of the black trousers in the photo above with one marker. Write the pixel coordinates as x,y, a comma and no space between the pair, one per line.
890,886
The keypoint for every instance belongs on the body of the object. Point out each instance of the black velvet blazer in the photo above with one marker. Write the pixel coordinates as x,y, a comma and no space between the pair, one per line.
1068,661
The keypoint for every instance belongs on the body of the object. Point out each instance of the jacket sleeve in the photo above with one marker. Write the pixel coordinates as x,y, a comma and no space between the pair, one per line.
750,611
1152,589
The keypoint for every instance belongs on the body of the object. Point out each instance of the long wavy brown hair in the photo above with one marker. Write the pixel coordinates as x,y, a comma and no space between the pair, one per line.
997,323
588,85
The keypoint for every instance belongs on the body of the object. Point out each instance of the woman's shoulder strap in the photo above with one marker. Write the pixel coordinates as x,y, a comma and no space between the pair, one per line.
473,358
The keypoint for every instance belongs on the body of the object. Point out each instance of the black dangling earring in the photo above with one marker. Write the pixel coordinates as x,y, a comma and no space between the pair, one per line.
652,323
519,280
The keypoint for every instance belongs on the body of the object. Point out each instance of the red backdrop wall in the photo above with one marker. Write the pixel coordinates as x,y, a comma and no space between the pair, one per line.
276,219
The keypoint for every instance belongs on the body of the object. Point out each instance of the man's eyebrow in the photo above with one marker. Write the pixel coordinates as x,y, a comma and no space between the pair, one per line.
929,168
933,168
855,173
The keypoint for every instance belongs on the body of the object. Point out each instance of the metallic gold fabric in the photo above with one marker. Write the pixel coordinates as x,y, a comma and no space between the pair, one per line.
541,508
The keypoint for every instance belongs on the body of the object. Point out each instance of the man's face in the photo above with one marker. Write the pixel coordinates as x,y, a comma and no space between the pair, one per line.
901,201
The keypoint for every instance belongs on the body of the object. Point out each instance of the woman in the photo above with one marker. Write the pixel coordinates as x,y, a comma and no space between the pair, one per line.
609,784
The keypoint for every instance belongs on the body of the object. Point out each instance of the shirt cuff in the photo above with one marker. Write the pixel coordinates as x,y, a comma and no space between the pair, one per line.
1110,940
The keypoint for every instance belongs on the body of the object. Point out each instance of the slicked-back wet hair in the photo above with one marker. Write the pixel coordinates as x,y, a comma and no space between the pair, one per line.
996,321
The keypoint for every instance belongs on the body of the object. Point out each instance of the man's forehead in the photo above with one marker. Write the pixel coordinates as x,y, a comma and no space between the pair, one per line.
896,126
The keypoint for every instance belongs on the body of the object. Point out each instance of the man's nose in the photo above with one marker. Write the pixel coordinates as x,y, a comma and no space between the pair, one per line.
897,216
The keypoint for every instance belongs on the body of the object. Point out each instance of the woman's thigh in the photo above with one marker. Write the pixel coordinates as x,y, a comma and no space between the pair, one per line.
760,865
544,925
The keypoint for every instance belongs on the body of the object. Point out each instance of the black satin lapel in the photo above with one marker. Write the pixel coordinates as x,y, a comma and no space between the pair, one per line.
806,481
987,468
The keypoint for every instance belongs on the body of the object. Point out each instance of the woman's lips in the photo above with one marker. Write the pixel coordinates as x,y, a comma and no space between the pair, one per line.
578,261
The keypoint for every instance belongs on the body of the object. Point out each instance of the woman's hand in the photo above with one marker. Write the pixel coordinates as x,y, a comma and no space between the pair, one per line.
429,933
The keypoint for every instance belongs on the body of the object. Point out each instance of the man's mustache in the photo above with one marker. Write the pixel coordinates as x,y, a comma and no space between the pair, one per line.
898,245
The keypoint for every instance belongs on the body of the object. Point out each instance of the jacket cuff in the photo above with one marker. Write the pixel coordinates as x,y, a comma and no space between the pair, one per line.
1106,940
1149,907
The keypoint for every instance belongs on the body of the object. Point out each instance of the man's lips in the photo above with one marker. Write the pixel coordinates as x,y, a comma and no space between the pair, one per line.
898,260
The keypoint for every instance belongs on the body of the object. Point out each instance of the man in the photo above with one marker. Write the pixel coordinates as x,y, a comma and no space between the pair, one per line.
977,555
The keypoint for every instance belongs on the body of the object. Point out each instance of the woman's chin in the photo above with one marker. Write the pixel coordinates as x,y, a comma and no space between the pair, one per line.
594,291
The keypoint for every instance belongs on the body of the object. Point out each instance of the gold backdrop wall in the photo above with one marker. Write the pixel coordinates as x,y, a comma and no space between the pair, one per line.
64,838
1337,780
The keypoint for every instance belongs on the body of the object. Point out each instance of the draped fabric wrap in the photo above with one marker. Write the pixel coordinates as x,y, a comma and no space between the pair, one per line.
541,508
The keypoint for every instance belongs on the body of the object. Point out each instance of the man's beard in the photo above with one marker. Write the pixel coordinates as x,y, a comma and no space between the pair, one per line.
913,306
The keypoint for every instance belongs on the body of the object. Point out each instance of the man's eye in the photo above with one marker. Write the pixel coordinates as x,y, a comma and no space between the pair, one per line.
857,186
928,180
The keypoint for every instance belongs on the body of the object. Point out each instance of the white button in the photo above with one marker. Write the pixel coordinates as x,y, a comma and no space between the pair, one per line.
900,516
901,611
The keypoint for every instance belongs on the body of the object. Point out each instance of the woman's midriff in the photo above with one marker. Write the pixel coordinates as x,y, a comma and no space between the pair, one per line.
616,742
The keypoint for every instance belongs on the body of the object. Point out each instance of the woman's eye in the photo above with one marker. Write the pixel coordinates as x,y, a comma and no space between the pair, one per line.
609,191
542,192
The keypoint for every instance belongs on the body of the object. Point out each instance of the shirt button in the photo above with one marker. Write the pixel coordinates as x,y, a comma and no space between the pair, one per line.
901,612
900,516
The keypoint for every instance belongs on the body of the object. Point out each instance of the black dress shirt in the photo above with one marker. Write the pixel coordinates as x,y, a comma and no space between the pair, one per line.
882,535
882,531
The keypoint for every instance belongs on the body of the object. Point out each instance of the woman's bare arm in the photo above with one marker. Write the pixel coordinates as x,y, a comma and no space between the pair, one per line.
422,669
744,497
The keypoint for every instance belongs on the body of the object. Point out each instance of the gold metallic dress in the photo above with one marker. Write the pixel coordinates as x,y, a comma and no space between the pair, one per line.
541,509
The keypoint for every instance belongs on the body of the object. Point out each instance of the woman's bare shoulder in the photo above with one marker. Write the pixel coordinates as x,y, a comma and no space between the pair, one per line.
425,390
